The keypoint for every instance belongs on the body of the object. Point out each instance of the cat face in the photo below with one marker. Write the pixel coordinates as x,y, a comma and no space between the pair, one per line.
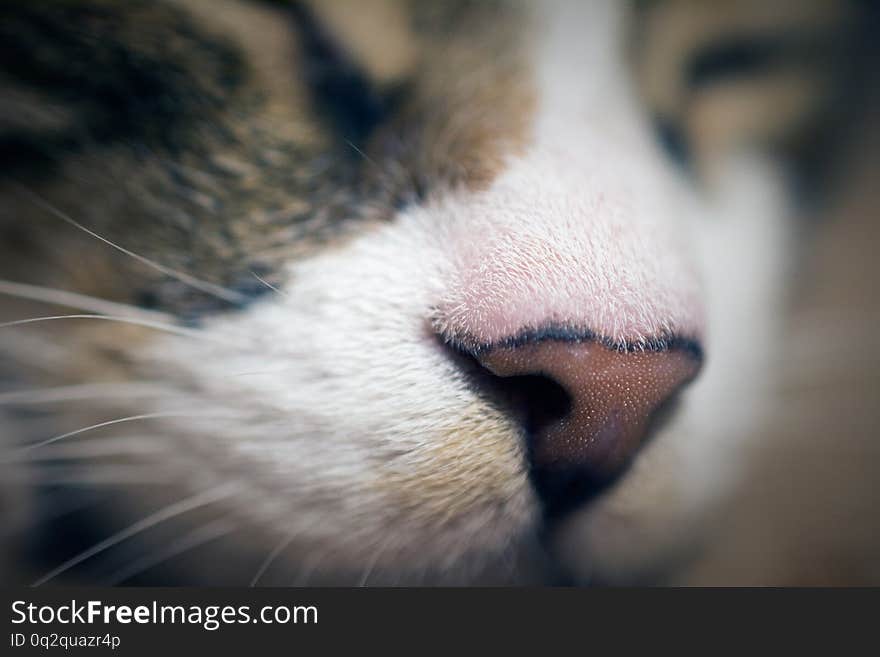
417,297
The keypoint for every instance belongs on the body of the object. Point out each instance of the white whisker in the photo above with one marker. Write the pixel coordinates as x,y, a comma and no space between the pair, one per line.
168,328
130,418
167,513
268,284
380,550
278,549
95,448
79,301
361,153
189,541
204,286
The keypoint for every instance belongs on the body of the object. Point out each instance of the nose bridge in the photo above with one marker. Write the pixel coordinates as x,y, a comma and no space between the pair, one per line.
570,241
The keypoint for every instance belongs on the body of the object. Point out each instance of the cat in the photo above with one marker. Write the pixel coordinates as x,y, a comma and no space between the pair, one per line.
392,293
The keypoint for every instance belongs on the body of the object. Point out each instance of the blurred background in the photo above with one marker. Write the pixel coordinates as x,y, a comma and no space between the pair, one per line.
808,511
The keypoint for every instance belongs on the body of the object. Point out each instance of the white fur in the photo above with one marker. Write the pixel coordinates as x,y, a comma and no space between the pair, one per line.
346,416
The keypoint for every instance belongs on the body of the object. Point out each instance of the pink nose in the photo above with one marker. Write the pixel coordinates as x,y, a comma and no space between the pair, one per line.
612,398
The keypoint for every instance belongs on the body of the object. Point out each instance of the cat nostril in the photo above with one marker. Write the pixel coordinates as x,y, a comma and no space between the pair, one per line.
586,407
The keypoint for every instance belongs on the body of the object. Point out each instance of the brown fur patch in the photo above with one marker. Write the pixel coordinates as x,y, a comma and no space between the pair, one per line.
240,175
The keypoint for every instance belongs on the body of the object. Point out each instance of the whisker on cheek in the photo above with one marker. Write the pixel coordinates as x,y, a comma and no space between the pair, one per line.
381,549
268,284
271,557
167,513
204,286
168,328
128,446
190,541
121,420
80,301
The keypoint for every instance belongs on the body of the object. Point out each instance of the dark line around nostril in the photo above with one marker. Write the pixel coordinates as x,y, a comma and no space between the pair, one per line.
661,342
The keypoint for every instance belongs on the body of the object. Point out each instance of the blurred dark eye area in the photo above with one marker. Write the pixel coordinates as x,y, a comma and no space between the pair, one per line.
751,56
